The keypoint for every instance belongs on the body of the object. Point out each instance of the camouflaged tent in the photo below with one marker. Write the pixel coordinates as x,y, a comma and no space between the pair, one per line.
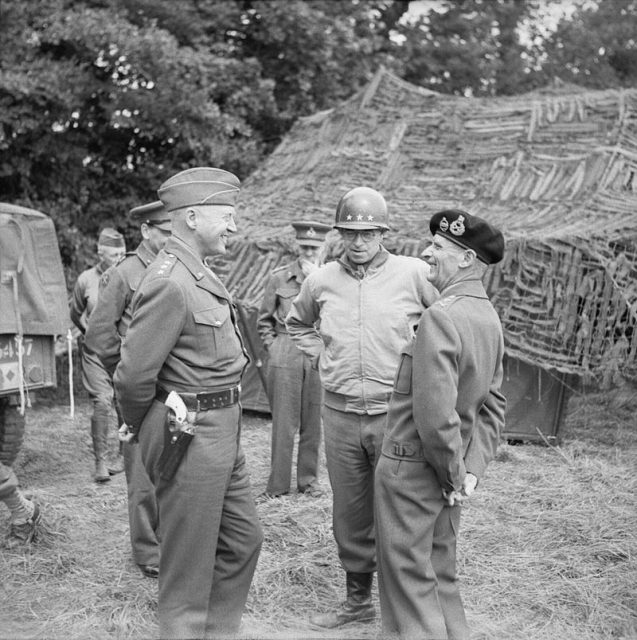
555,169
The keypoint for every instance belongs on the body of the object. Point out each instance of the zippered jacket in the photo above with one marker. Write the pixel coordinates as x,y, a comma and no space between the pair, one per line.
364,320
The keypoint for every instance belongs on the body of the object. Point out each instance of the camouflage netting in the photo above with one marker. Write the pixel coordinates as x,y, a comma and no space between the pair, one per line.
554,169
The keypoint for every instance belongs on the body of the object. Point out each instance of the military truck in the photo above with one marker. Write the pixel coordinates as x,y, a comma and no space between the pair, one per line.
33,312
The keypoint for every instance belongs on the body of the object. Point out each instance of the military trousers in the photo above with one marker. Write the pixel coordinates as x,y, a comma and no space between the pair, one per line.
352,447
295,399
416,542
143,517
210,536
97,382
8,482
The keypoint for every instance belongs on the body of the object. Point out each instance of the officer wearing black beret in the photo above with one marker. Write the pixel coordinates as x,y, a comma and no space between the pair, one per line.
445,417
294,386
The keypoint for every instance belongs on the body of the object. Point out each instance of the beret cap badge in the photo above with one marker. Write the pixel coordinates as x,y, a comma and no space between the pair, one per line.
457,226
469,232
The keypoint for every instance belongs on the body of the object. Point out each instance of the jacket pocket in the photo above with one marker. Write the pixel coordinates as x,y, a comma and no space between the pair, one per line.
214,326
211,317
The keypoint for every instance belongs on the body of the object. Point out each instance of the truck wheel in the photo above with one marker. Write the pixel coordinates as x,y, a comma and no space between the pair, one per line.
11,432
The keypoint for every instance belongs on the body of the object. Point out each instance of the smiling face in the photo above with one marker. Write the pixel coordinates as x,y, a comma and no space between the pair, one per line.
212,226
444,259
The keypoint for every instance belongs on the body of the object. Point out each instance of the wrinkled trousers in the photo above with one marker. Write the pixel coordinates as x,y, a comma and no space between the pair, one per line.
143,519
352,447
295,399
416,542
210,536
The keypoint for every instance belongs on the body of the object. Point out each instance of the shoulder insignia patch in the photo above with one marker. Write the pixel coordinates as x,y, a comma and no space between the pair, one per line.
166,266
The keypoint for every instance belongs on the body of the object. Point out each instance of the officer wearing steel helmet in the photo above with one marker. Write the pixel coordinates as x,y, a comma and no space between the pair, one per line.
365,305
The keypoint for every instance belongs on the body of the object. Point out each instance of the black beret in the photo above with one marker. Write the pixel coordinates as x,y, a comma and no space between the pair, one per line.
469,232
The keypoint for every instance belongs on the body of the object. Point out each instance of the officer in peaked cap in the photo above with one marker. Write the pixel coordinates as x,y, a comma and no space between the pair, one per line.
445,416
97,382
351,318
294,387
183,337
107,328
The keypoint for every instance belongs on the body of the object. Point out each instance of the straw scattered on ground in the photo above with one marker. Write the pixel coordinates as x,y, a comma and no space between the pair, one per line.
548,544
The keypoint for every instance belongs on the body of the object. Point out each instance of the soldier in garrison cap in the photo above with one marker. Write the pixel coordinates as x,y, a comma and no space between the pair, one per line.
445,417
106,330
183,338
352,318
294,386
98,384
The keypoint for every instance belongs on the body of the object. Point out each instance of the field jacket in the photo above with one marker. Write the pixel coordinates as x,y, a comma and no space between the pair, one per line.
364,324
447,407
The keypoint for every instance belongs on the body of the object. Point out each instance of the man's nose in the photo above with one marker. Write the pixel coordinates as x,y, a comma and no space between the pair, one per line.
232,225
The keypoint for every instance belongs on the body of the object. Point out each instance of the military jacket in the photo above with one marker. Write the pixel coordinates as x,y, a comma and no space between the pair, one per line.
112,313
183,334
364,323
446,403
281,288
84,297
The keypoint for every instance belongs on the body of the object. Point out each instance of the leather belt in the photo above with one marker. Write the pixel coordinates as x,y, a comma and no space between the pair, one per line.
206,400
403,450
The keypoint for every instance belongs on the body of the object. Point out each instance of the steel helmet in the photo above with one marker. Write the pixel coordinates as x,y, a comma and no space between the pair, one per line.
361,208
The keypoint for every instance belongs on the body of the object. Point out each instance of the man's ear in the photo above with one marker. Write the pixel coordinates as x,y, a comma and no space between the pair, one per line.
145,231
191,218
468,259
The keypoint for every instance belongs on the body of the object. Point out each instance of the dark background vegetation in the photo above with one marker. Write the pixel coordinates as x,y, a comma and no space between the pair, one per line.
102,100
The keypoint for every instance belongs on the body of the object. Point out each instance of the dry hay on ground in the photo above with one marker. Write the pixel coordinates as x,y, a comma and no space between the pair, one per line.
547,544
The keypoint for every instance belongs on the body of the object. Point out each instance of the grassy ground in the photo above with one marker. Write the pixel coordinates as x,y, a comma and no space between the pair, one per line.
548,545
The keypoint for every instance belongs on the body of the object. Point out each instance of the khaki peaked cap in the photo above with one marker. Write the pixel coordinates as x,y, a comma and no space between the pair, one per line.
153,213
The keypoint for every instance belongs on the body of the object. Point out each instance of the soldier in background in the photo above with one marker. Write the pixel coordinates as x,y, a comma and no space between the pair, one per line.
97,382
365,306
183,338
445,417
294,386
106,330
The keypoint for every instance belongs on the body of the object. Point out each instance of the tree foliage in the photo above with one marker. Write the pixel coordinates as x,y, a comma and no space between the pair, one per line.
102,100
597,47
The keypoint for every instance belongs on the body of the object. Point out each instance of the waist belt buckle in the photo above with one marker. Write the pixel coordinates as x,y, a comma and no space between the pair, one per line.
218,399
403,450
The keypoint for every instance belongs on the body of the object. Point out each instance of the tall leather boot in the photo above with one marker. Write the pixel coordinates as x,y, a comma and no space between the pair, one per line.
99,432
357,607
